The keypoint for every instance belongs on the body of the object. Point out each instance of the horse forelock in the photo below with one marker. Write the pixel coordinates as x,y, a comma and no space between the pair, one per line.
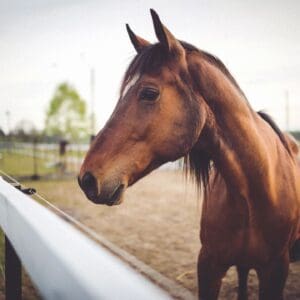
149,60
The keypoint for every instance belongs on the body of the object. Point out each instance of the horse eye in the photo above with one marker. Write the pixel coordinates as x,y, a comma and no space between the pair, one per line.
149,94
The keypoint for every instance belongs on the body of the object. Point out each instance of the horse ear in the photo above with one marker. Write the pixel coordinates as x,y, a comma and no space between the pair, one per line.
164,36
138,43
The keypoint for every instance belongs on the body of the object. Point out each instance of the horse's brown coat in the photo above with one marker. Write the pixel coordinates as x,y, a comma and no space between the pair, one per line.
251,209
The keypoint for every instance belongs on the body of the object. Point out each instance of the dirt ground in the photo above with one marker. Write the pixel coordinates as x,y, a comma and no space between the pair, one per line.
159,224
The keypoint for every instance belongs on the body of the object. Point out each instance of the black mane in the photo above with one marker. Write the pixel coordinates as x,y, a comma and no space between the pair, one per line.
274,126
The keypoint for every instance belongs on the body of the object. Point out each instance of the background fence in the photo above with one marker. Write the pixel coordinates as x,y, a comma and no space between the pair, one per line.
36,160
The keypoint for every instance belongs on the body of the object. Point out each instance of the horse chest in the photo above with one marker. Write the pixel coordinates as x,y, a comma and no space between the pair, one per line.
224,228
232,234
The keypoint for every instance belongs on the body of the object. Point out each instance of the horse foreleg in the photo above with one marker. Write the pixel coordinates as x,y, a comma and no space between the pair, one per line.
272,279
210,276
243,278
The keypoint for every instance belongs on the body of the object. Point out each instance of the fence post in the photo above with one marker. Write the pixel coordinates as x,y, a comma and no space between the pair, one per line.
13,273
35,175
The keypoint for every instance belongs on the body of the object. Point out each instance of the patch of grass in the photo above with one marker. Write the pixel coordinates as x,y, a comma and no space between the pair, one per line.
23,165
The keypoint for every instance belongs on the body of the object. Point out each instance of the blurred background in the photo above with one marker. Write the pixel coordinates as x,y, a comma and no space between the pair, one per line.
62,63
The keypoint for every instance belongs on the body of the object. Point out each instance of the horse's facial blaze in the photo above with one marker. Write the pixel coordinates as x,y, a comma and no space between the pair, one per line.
148,127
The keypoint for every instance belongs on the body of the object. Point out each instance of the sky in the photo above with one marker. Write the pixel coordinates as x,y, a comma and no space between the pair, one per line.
44,43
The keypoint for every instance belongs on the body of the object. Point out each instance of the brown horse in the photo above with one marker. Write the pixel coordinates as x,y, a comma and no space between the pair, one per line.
177,101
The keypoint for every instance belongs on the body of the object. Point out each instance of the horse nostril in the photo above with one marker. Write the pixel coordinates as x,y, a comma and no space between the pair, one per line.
89,184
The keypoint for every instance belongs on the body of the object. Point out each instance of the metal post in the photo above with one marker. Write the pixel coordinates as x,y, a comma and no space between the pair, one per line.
92,83
35,175
8,131
287,111
8,121
13,273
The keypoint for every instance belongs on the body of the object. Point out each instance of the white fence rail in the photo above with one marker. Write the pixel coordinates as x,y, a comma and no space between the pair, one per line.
61,261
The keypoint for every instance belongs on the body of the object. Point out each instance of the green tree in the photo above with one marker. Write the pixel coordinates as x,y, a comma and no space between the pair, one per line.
66,115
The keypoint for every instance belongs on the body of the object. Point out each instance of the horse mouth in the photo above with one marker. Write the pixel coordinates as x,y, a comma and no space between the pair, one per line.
109,198
110,194
115,197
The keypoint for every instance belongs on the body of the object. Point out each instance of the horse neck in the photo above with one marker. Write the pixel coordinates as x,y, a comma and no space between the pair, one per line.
234,135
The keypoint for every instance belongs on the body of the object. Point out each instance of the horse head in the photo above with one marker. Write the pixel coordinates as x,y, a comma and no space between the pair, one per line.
157,119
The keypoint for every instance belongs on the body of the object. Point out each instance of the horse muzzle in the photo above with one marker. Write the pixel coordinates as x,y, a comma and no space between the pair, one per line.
109,193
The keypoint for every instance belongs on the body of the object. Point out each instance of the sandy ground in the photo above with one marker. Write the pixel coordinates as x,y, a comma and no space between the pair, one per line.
159,224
